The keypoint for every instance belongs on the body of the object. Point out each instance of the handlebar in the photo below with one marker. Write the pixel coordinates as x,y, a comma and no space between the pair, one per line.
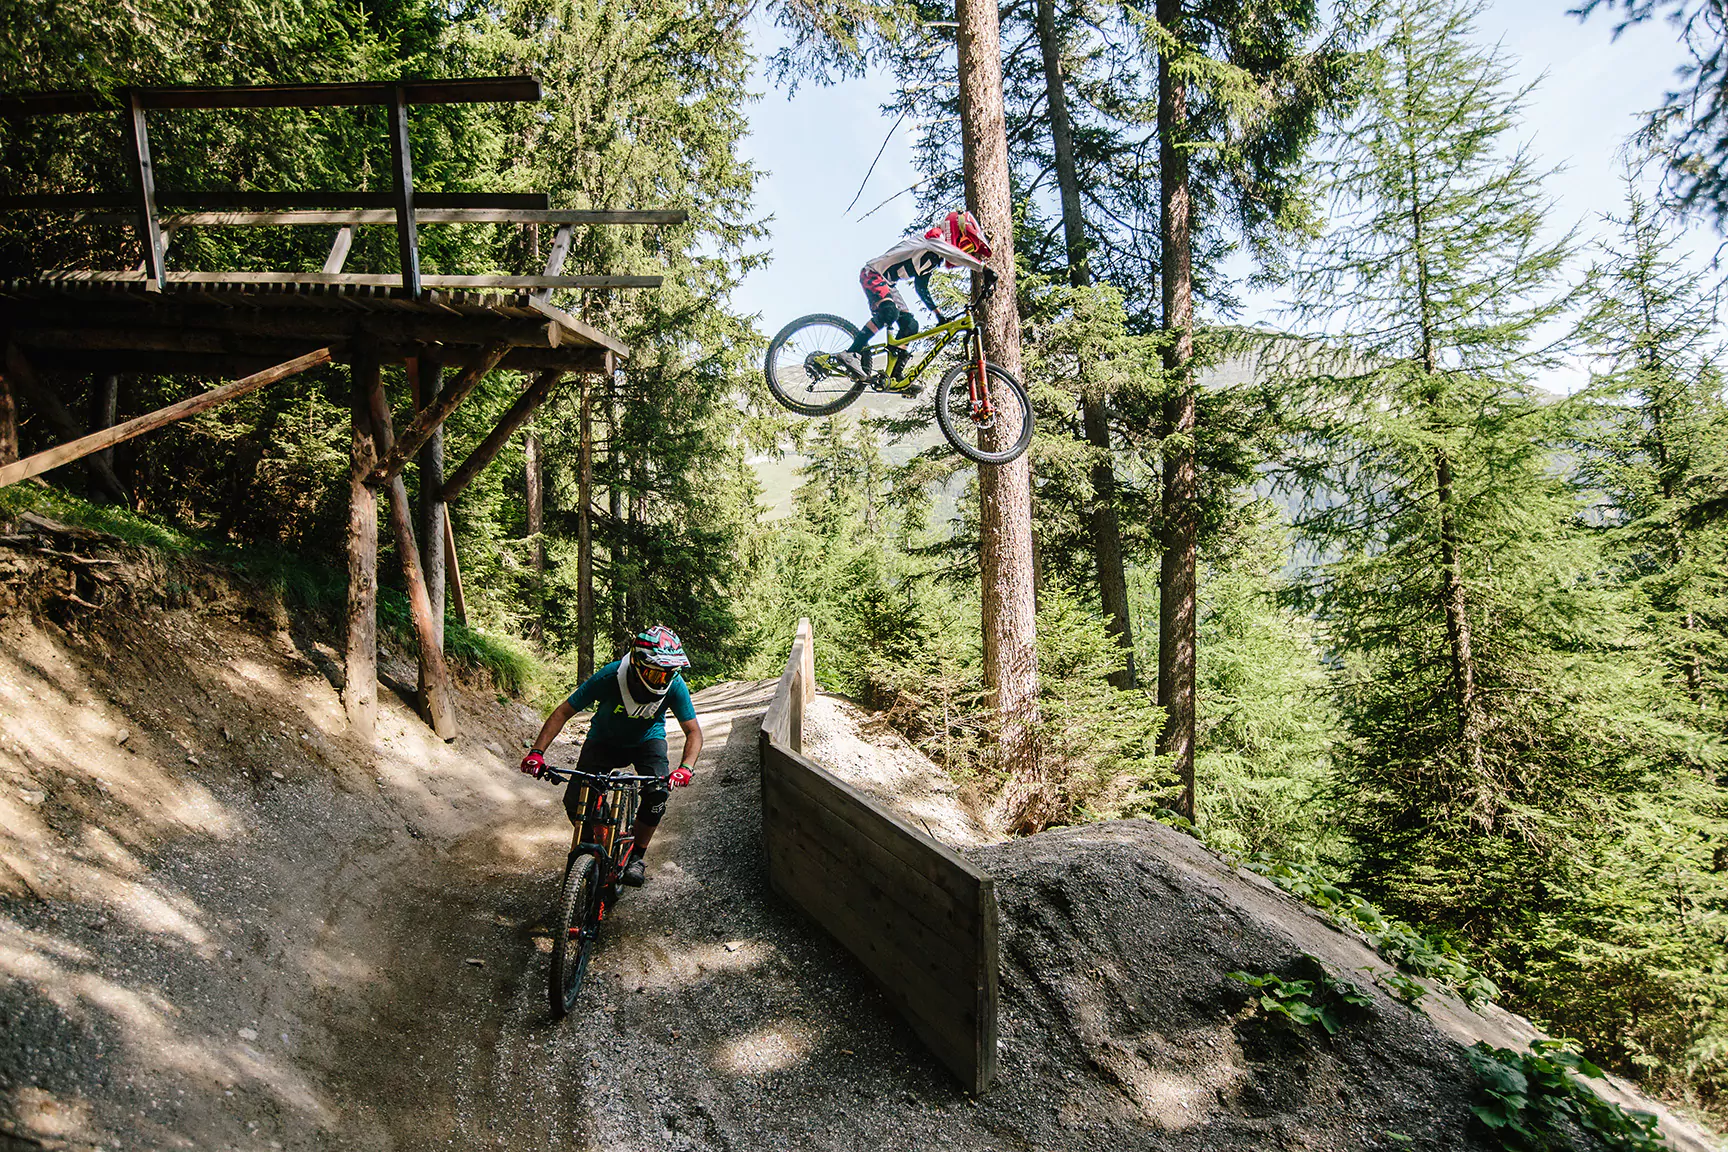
604,780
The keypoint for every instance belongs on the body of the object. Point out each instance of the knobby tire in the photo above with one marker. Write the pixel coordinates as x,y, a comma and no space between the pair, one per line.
779,375
576,905
1006,393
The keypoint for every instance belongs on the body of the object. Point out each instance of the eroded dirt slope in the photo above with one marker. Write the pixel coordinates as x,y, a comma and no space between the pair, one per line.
223,925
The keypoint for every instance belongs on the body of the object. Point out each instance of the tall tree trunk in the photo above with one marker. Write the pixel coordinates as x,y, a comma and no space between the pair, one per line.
360,664
1106,528
585,533
1005,521
1177,640
536,521
1471,721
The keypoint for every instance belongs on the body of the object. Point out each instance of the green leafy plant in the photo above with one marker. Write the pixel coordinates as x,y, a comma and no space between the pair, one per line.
1403,987
1295,1000
1404,946
1532,1101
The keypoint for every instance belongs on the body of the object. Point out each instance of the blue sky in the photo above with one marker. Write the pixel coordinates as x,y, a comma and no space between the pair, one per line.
815,147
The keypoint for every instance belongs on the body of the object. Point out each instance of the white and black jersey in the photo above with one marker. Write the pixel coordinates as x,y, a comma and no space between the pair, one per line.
918,255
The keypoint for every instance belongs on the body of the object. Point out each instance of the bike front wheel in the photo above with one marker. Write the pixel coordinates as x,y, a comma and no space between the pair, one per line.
573,932
800,368
990,434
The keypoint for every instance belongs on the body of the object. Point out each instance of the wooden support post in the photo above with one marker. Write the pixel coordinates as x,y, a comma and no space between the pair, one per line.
435,413
555,258
102,477
402,166
360,690
144,179
536,523
339,249
8,419
435,702
585,534
105,409
513,419
429,376
457,600
82,446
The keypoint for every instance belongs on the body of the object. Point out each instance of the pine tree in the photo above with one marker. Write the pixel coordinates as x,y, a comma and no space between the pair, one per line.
1655,445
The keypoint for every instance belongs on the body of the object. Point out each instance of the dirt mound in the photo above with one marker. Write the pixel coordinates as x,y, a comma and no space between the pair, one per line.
1118,1016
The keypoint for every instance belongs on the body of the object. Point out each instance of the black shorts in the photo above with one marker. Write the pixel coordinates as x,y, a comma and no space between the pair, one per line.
645,759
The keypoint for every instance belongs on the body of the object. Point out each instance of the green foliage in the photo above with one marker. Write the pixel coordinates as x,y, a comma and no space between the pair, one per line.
1398,942
1304,1002
1533,1101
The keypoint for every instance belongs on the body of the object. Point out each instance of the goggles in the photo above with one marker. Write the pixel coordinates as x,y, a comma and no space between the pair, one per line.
655,678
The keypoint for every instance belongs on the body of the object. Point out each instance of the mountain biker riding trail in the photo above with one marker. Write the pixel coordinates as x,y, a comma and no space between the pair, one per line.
957,242
631,696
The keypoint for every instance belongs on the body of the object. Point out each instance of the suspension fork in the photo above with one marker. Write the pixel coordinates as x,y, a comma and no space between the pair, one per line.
980,381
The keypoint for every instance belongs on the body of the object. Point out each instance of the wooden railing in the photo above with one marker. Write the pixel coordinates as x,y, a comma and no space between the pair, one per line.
920,918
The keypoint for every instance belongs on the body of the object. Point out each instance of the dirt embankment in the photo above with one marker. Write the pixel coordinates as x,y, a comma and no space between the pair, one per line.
224,925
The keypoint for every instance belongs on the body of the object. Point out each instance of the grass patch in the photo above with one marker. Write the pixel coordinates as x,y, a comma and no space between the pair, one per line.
304,585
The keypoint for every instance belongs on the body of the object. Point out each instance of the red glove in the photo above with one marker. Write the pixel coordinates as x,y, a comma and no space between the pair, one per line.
533,764
680,776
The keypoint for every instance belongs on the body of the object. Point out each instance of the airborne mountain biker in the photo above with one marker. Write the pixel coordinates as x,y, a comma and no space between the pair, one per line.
957,242
631,696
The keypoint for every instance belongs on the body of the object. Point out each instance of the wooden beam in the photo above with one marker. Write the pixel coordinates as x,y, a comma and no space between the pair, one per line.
496,439
360,663
584,531
339,250
555,259
434,673
80,276
109,207
457,600
64,355
434,414
427,374
484,90
582,328
108,437
402,183
8,419
105,408
425,212
144,185
22,374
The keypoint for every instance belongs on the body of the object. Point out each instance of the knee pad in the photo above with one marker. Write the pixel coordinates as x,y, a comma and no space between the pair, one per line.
887,313
654,797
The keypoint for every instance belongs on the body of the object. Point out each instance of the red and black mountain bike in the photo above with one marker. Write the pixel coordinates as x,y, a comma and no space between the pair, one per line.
598,853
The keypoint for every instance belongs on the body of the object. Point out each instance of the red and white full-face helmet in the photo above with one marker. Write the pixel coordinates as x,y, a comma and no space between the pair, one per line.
961,229
656,654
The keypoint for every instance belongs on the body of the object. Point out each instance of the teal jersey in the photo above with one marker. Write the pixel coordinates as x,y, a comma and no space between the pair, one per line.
612,724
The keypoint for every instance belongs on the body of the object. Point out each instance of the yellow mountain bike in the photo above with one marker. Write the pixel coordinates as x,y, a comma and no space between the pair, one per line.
980,407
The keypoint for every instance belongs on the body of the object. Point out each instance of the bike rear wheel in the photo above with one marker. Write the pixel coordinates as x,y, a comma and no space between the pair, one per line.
984,439
797,367
573,932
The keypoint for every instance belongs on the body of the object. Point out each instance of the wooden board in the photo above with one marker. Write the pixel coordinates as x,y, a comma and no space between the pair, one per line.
379,279
480,90
425,212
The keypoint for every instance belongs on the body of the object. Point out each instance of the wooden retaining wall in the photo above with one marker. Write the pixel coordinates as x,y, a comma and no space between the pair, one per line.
918,916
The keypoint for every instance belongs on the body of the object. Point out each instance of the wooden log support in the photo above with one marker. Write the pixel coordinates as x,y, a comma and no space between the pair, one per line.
48,403
477,282
144,181
518,415
105,409
8,419
433,415
402,173
476,90
339,250
435,702
458,601
585,532
428,376
555,259
360,664
83,446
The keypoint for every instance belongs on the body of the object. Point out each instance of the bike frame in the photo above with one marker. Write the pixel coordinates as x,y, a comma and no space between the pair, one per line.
607,847
965,323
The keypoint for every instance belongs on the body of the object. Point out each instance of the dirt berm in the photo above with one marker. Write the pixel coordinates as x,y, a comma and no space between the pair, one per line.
225,925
